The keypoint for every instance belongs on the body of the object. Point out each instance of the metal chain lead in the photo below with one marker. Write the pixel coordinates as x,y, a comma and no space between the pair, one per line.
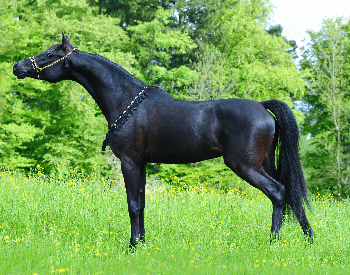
114,127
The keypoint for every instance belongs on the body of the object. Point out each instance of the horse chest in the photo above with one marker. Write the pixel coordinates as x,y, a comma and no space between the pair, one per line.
130,143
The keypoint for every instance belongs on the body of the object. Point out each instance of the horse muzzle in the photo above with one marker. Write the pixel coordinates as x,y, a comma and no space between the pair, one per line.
20,70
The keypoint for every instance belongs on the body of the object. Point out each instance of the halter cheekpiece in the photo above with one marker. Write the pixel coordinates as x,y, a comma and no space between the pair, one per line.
38,69
125,115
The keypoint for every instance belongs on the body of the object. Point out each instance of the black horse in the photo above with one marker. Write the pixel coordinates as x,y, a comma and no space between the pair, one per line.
148,125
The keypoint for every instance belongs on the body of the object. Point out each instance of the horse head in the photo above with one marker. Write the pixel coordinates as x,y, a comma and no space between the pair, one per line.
51,65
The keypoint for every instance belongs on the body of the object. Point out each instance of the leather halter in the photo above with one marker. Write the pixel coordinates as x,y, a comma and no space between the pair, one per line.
38,69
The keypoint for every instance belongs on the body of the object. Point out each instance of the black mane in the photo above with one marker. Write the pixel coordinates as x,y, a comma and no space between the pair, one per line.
118,67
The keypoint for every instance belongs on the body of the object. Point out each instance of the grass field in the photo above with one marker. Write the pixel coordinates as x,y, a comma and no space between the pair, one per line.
76,224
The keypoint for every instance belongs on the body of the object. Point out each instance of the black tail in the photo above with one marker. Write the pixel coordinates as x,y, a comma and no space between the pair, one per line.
289,171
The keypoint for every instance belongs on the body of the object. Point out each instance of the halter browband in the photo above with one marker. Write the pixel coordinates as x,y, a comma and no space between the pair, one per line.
125,115
38,69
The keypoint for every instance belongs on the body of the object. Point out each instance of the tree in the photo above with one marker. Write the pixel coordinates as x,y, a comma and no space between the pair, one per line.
129,11
215,79
156,47
326,71
277,31
262,67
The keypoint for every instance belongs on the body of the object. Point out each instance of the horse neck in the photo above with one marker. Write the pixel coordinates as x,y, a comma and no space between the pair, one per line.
110,85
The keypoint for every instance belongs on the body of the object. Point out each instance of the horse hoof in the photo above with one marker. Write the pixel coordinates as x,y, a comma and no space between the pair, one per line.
131,249
311,237
275,235
311,233
142,239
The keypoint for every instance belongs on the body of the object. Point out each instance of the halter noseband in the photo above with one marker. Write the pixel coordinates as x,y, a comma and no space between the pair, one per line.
38,69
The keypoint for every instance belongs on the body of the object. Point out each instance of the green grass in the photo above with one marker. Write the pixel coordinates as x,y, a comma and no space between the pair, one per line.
74,224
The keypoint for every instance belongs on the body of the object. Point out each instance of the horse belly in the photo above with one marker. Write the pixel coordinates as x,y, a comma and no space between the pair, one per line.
182,157
182,147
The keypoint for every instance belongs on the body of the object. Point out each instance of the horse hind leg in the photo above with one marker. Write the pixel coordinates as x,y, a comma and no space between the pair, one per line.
269,163
142,203
270,168
269,186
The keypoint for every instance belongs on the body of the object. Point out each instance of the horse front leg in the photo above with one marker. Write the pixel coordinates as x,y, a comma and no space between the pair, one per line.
131,172
142,202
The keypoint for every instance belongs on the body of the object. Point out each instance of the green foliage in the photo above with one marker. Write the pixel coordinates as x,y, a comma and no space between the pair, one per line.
155,45
265,70
216,78
129,11
326,71
277,31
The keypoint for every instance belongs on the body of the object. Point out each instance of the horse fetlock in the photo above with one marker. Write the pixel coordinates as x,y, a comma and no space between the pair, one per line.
277,202
311,233
308,231
134,211
275,234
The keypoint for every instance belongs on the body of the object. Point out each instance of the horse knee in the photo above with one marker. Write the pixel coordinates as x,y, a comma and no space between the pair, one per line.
134,210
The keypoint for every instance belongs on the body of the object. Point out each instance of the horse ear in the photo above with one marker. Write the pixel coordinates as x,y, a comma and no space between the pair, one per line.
66,42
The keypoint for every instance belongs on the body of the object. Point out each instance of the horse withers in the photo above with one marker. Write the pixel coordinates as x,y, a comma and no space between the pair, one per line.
146,125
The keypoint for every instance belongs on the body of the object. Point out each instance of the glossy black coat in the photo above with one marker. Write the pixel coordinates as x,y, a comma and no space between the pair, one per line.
164,129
